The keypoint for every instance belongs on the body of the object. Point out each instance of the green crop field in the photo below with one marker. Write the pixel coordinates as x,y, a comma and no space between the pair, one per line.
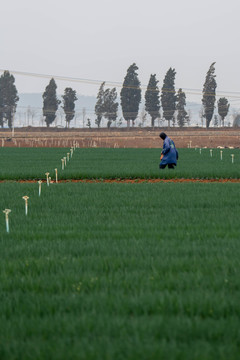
33,163
120,271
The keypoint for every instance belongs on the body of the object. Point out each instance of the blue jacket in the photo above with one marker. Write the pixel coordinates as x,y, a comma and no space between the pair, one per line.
170,152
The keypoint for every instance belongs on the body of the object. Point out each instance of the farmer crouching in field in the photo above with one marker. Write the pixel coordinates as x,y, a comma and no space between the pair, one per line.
169,154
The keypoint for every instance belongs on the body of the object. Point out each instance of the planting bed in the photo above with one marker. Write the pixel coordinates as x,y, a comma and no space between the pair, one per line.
27,163
120,271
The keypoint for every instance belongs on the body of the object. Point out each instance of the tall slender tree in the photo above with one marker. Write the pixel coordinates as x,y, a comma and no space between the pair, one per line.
180,107
69,99
209,94
130,95
50,102
223,107
1,107
168,97
152,102
110,106
8,98
99,107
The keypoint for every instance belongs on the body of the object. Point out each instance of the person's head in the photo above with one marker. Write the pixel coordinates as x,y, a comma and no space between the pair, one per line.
163,135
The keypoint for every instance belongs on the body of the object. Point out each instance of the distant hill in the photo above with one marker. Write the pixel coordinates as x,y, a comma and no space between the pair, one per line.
34,100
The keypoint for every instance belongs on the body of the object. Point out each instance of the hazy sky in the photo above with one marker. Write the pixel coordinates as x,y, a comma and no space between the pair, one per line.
100,39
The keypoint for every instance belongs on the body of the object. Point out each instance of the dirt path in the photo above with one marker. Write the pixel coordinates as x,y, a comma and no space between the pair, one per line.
131,181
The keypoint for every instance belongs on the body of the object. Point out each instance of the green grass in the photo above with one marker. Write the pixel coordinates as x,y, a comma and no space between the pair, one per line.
120,271
27,163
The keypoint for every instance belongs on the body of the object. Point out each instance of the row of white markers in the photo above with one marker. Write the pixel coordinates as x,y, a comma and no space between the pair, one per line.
25,198
221,154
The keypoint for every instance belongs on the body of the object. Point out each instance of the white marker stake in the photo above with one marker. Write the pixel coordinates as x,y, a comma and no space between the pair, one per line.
62,160
25,198
200,150
232,155
47,174
65,160
39,188
71,151
211,152
221,154
56,175
6,212
68,156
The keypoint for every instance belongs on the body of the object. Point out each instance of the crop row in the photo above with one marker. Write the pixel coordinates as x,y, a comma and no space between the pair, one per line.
26,163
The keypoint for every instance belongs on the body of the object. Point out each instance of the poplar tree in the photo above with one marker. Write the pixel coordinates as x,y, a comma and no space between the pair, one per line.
50,102
209,94
99,107
110,105
8,98
168,97
130,95
180,107
69,99
152,102
223,107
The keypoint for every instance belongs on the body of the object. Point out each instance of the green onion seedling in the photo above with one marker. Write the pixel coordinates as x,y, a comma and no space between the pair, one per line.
47,174
25,198
62,160
6,212
232,155
56,175
39,187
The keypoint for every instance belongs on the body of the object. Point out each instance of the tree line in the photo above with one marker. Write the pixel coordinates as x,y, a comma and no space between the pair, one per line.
172,103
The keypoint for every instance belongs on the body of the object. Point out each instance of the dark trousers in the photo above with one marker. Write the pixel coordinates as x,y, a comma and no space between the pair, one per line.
170,166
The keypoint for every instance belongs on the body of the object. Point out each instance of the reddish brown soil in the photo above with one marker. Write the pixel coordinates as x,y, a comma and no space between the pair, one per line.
134,181
119,138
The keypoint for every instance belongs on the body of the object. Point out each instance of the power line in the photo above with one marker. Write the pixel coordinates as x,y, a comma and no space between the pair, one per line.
117,84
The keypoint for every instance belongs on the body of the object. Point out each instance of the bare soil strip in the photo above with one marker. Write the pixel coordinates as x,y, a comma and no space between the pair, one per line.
132,181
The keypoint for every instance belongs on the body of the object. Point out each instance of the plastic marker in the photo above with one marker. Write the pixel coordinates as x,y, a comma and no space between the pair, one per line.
6,212
56,175
232,155
47,174
62,160
68,156
211,152
25,198
200,151
39,188
221,154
